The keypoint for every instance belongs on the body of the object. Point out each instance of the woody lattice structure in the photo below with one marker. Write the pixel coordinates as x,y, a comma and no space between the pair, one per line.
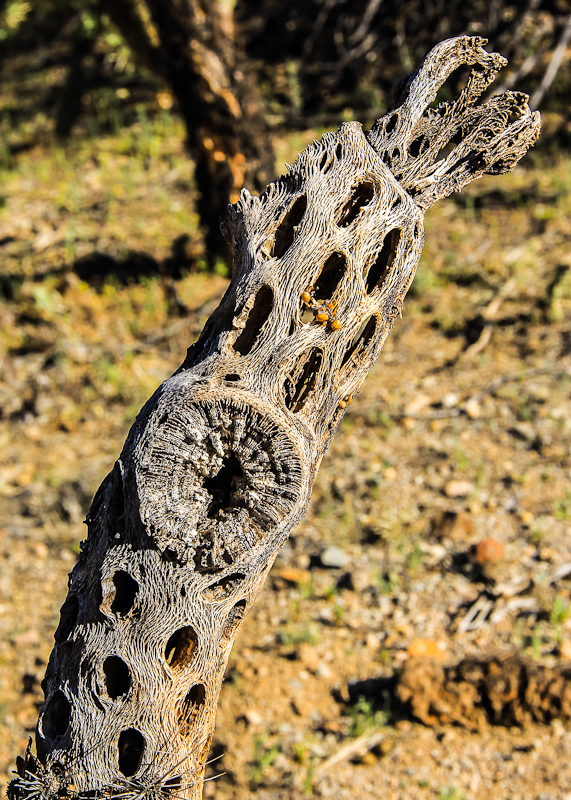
219,464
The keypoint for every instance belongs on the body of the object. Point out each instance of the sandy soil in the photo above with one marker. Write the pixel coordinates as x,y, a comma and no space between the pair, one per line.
446,491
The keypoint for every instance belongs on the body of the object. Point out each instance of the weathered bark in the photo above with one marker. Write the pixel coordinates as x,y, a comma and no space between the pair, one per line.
219,101
220,463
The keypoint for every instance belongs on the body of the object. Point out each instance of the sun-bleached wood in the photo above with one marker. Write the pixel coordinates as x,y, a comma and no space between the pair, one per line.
219,465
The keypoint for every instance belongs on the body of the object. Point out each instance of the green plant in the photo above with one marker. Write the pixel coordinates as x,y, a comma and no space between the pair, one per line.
535,536
365,717
308,780
461,458
331,591
307,588
562,508
264,756
293,635
414,558
560,611
450,793
536,640
386,582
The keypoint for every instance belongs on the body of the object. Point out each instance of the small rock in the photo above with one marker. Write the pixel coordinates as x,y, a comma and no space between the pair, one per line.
473,409
384,747
565,649
550,554
294,575
489,551
253,717
333,556
450,400
462,528
324,672
417,404
390,473
524,431
449,524
526,518
458,488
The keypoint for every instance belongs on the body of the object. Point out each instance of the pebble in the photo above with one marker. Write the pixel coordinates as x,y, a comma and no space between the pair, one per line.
450,400
253,717
489,551
323,671
294,575
333,556
417,404
473,409
458,488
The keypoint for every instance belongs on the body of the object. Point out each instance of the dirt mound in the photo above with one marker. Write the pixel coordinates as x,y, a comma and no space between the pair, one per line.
509,691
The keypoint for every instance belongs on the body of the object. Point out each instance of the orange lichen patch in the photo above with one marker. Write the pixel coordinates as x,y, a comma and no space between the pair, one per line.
425,648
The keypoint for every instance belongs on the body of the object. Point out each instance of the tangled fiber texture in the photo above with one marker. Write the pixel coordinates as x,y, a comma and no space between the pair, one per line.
220,462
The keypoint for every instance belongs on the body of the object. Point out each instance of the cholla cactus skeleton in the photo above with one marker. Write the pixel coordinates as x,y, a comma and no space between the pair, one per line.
220,463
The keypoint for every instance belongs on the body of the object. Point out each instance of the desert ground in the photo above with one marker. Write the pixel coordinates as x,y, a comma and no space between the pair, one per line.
413,639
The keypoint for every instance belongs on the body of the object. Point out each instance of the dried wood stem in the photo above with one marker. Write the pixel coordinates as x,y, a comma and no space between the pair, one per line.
220,463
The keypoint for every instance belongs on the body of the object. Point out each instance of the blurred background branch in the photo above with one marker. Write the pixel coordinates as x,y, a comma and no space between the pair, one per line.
235,73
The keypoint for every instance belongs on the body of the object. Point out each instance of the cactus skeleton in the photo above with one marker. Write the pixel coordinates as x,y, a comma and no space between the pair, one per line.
219,464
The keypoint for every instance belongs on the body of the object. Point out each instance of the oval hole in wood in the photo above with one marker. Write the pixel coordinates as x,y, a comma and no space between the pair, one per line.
257,318
117,676
391,123
330,277
286,229
126,589
232,377
233,620
222,486
380,267
68,617
416,146
181,647
131,747
223,588
358,347
190,707
303,383
324,167
361,196
56,717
